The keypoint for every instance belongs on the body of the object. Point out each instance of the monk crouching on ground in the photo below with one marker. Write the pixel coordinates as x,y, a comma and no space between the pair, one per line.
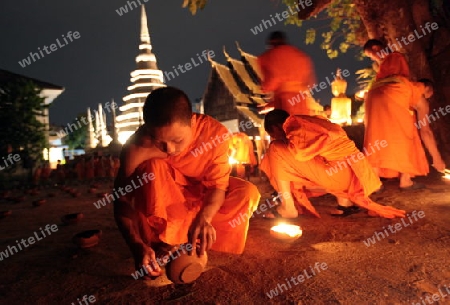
190,195
306,158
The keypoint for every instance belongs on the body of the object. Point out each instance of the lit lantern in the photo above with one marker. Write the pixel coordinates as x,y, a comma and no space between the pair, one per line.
341,106
286,232
446,175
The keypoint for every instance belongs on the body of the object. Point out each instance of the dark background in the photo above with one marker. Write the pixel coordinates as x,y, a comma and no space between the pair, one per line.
96,67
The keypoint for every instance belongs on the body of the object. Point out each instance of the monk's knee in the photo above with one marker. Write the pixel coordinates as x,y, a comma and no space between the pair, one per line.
245,190
253,192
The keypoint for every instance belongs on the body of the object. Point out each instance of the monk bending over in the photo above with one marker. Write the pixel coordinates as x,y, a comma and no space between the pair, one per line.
177,163
311,156
389,111
288,73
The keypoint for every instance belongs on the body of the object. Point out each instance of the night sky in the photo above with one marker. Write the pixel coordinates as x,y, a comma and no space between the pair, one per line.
96,67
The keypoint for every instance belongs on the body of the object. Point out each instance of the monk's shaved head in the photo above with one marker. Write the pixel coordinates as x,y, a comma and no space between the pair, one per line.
165,106
275,118
429,87
427,82
372,43
277,38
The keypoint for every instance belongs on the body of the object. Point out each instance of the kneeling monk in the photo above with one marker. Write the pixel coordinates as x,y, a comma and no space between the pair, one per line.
312,155
188,194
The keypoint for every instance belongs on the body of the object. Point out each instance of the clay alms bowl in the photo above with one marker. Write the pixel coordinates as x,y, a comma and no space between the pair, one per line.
87,239
286,232
3,214
70,219
38,203
185,269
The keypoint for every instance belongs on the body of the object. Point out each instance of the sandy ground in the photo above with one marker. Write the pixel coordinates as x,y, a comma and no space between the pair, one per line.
399,269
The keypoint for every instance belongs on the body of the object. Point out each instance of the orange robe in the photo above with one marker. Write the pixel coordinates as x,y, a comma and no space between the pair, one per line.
243,147
389,116
287,73
319,156
393,64
171,201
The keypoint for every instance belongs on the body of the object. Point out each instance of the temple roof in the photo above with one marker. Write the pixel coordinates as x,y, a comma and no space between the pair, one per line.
229,81
243,74
256,118
6,76
252,62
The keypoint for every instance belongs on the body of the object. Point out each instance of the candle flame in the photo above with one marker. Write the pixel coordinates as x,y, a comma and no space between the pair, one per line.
291,230
232,160
446,174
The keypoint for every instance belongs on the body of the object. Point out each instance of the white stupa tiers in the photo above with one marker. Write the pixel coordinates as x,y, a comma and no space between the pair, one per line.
91,140
146,78
103,138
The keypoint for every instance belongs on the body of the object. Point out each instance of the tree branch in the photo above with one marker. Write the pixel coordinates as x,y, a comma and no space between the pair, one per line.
316,7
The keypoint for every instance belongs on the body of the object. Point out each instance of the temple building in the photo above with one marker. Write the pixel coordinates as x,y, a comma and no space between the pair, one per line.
49,92
146,78
233,94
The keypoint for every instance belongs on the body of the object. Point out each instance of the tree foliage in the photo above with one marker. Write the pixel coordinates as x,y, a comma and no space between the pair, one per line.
341,34
77,138
21,112
194,5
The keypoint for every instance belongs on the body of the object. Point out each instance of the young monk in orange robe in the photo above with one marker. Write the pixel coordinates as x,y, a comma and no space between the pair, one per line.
308,154
287,73
191,195
389,111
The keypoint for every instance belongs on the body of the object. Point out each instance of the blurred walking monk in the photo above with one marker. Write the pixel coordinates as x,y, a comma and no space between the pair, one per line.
191,196
390,116
288,73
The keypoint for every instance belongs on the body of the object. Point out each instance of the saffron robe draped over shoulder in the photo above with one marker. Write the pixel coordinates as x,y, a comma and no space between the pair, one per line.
313,158
172,200
389,116
393,64
287,72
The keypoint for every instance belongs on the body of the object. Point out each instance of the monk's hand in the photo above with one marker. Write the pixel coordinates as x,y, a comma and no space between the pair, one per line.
201,229
146,258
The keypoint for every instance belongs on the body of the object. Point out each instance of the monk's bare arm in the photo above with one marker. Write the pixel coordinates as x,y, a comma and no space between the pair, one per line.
427,134
287,209
213,201
123,213
133,154
201,227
